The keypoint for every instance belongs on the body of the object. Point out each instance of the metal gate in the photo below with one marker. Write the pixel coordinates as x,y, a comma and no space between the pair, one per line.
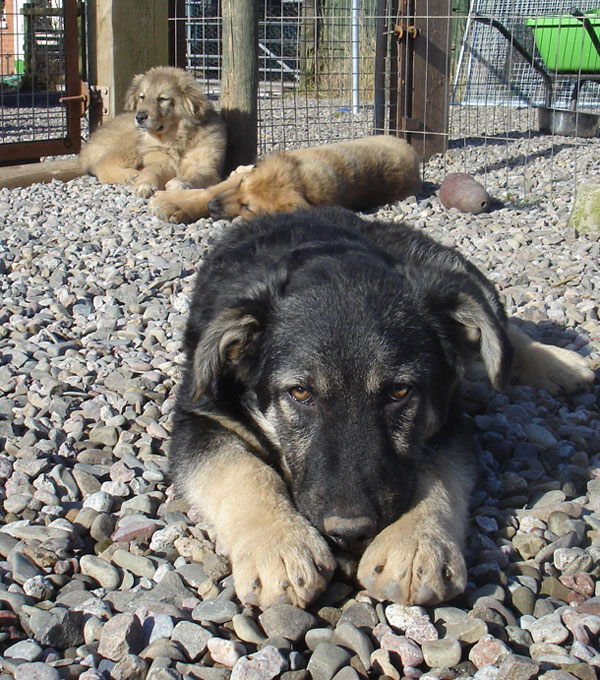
41,101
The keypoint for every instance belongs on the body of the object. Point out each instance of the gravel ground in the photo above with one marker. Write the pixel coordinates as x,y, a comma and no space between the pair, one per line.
105,574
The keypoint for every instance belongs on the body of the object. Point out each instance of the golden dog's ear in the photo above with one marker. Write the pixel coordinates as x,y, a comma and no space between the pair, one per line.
194,101
133,91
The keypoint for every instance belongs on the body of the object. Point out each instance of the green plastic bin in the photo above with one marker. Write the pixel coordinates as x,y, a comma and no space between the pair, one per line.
564,43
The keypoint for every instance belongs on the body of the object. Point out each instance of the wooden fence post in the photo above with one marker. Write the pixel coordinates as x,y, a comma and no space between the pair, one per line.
431,71
239,81
126,37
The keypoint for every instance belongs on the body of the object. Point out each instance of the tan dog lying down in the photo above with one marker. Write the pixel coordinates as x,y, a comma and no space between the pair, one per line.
359,174
171,136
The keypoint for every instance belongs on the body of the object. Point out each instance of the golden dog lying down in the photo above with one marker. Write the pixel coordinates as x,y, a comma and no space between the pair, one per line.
171,136
359,174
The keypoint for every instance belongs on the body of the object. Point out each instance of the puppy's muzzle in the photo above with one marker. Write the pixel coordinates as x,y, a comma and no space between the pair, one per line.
140,118
215,206
349,533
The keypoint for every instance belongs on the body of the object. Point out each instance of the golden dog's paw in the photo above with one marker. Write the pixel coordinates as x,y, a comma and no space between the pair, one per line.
161,206
144,189
243,169
407,564
288,563
555,369
177,184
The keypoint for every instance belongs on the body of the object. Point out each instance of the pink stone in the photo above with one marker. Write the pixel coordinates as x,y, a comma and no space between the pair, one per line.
421,631
591,606
579,624
380,630
265,664
487,651
409,652
119,472
581,583
225,652
142,528
18,482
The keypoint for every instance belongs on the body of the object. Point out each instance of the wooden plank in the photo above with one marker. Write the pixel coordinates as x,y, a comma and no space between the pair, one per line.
431,69
24,151
14,176
239,82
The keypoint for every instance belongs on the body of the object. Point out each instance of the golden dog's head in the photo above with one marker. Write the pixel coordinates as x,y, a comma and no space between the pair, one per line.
273,186
164,96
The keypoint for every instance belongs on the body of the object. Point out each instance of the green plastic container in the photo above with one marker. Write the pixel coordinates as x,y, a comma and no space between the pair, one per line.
564,43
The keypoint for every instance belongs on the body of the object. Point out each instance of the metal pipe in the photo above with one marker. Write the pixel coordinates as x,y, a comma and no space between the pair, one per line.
355,53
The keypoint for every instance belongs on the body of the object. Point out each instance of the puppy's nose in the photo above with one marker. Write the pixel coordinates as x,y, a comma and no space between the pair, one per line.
345,531
141,117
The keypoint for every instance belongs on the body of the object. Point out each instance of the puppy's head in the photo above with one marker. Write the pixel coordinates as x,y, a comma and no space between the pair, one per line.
162,97
349,370
273,186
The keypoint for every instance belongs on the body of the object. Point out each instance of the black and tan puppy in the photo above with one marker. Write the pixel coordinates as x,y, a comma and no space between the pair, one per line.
170,136
318,406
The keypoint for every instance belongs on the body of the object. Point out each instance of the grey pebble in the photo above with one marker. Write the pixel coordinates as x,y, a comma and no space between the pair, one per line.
36,671
286,620
215,611
192,638
28,650
107,575
326,661
349,636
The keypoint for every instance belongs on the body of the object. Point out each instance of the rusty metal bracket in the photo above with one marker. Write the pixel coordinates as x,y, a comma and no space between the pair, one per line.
402,30
83,98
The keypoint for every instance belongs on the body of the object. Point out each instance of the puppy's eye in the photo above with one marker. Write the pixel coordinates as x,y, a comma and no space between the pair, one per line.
301,395
141,97
162,99
399,392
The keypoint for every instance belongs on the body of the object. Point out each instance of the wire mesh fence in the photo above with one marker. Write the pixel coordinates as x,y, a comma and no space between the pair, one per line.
32,71
333,69
316,67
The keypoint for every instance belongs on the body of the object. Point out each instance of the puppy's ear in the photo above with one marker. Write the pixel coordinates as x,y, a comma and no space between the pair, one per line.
193,99
131,96
230,339
483,327
476,328
229,345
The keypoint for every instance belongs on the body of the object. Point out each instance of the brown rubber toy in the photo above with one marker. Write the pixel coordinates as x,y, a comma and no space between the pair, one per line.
462,192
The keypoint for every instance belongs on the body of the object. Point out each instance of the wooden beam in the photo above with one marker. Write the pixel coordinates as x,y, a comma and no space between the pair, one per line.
14,176
239,82
431,77
126,37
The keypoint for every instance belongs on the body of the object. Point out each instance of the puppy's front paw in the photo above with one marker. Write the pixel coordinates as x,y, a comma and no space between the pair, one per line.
144,189
555,369
161,206
411,565
287,562
177,184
